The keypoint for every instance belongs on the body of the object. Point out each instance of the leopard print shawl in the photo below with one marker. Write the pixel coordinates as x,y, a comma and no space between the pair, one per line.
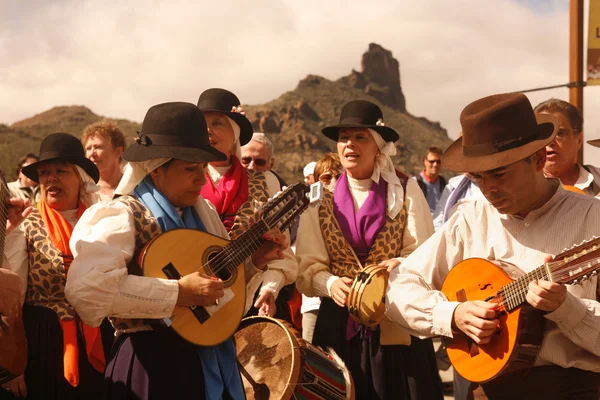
257,196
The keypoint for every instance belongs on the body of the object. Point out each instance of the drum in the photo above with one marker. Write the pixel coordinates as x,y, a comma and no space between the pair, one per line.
366,300
276,363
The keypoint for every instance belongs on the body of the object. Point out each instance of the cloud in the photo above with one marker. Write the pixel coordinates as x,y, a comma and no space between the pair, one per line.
119,58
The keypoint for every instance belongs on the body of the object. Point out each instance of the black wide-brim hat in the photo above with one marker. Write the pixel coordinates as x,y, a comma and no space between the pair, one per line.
497,131
62,147
361,114
173,130
223,101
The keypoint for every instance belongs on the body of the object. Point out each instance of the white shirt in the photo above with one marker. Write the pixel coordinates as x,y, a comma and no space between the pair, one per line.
477,229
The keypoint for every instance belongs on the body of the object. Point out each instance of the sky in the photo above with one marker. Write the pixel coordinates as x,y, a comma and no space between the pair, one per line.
119,58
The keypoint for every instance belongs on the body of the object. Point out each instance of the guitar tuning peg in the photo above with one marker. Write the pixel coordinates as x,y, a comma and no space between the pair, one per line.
284,187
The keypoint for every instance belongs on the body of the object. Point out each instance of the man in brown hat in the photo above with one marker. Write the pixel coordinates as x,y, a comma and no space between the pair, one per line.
525,218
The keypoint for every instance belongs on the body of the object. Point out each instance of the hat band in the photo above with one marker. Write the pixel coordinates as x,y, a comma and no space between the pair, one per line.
168,141
355,121
498,146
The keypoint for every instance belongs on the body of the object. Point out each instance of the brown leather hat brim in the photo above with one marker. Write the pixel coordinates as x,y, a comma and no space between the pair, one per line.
454,159
595,142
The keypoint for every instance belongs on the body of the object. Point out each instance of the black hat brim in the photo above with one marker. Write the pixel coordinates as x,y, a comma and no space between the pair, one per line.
246,129
88,166
137,152
387,133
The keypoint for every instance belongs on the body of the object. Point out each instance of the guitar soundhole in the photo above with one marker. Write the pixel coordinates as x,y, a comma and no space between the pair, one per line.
221,267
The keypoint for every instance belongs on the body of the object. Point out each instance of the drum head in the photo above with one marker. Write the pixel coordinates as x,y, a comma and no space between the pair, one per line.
268,358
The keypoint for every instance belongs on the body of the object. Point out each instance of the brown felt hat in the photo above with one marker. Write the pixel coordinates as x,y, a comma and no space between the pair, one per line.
594,142
497,131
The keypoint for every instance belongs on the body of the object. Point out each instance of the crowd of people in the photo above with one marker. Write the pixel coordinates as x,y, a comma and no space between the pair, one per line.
82,211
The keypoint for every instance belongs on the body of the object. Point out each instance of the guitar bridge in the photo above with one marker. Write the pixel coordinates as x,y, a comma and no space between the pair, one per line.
199,312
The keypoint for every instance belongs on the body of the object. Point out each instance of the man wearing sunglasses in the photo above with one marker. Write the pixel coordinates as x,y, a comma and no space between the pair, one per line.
258,153
430,181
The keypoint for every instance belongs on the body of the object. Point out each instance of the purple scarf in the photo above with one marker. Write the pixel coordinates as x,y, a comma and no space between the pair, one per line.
360,228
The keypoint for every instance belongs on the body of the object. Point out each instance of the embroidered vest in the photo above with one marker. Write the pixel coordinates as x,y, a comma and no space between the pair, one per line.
146,228
343,261
257,196
47,277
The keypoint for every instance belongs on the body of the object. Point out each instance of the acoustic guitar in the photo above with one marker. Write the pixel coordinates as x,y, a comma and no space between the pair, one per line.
180,252
13,342
516,343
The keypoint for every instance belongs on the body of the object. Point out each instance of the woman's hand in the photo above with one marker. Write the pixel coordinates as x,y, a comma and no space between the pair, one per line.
266,304
390,264
340,289
199,290
272,249
16,387
18,210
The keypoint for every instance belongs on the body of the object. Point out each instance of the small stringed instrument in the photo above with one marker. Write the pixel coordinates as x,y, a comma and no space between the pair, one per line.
13,342
516,343
179,252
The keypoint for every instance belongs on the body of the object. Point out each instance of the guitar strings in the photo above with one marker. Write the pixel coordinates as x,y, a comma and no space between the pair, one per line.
222,260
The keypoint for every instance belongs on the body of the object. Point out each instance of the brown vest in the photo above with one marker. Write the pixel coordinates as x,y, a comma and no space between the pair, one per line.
47,277
257,196
146,228
344,262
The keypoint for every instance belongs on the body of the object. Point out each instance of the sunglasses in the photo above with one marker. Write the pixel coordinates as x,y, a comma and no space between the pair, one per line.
434,161
259,162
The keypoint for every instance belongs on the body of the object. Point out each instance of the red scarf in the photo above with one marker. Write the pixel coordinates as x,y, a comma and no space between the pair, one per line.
231,193
429,178
59,232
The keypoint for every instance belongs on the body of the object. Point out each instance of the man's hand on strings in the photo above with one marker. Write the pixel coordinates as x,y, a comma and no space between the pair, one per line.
545,295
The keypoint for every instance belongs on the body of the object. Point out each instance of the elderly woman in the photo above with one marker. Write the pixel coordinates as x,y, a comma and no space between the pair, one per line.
235,191
165,172
375,215
104,143
66,357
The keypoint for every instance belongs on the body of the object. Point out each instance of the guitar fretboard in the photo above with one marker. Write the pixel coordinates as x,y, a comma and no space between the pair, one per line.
514,294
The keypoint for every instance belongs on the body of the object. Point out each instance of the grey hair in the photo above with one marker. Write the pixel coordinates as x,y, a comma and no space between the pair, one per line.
262,138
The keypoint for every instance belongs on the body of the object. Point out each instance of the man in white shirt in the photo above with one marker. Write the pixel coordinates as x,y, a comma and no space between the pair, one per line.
525,218
562,152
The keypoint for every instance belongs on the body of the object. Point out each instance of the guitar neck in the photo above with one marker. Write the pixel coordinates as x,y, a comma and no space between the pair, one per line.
514,294
240,249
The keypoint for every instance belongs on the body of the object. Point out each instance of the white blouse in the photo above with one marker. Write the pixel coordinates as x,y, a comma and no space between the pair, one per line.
98,284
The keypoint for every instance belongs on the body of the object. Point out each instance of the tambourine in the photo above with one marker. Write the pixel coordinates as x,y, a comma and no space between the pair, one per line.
366,300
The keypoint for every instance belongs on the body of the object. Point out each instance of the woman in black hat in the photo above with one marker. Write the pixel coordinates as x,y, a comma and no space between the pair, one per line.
235,191
159,188
66,358
374,215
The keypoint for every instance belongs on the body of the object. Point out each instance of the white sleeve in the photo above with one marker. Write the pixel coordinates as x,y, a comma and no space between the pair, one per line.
15,251
279,272
419,224
313,258
98,284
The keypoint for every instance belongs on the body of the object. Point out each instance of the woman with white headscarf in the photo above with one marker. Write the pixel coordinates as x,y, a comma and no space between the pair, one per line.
236,192
159,192
66,358
375,215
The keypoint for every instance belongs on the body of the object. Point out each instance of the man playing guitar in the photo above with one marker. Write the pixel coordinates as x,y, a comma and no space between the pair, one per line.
525,219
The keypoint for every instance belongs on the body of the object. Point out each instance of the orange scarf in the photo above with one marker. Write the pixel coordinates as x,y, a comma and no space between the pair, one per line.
59,232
